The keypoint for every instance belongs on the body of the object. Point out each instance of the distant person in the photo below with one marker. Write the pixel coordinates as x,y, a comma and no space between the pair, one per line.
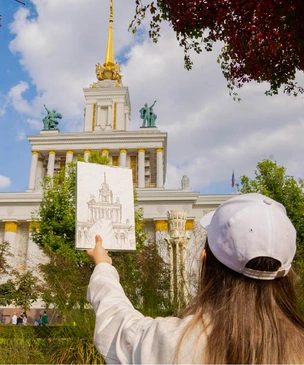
245,310
14,318
44,319
20,319
38,321
24,319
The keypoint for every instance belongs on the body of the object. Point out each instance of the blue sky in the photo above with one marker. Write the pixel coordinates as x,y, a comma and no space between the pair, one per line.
49,49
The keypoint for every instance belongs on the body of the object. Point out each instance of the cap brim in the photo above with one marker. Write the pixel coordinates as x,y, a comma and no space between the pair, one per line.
206,219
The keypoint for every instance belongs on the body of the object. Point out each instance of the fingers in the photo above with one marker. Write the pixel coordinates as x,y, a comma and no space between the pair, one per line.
98,253
98,239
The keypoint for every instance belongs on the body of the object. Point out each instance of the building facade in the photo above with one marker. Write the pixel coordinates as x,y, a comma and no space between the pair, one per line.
171,216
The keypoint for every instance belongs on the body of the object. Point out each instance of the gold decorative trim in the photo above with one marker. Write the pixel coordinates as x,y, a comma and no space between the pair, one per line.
34,227
189,225
93,117
159,150
87,151
161,225
70,152
123,150
115,160
52,152
141,150
11,227
105,152
35,153
114,117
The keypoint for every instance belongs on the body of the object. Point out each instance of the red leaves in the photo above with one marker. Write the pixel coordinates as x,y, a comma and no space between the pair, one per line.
264,38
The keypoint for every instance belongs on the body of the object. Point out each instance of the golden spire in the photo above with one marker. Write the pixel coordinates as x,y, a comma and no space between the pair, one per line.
109,59
110,70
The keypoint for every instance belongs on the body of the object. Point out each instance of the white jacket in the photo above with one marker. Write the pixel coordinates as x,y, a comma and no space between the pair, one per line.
124,336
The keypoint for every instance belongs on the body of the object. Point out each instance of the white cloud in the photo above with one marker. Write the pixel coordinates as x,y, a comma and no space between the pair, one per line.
209,133
16,98
21,136
4,182
35,124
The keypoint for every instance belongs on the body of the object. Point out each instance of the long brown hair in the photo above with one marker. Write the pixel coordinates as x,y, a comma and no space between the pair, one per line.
248,321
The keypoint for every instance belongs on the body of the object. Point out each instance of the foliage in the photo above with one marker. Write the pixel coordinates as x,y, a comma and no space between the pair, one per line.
271,180
263,40
66,282
21,289
68,269
4,254
27,289
7,291
96,157
68,344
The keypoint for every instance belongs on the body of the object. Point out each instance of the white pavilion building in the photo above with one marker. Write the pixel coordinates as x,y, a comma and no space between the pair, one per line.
171,216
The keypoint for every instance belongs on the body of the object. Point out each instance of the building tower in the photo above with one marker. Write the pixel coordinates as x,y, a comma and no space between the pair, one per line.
106,129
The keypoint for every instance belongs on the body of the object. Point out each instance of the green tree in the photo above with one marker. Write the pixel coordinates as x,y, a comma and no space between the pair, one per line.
7,291
26,289
68,271
271,180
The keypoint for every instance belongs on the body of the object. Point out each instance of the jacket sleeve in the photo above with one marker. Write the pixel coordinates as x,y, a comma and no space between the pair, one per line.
122,334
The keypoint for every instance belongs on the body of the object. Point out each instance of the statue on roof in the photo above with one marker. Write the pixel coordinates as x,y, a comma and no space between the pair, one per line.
50,120
148,116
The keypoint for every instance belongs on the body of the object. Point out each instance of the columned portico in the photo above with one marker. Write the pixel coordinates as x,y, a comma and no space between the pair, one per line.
123,158
160,168
141,168
33,171
51,163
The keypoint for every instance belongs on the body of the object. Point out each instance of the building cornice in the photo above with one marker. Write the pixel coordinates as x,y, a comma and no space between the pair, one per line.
20,198
96,138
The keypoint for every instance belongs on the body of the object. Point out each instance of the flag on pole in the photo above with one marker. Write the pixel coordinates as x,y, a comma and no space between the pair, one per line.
232,180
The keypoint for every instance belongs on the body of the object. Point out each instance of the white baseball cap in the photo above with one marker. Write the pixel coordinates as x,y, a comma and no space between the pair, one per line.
249,226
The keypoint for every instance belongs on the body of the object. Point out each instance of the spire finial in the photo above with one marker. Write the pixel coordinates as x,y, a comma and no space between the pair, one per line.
110,70
109,59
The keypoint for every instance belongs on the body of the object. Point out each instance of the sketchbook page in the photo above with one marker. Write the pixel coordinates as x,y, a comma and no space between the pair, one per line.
104,206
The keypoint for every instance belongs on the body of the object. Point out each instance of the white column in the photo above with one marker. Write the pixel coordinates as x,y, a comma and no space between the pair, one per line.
86,155
51,163
127,118
33,170
10,233
123,158
110,117
39,174
159,168
98,118
68,157
141,168
105,152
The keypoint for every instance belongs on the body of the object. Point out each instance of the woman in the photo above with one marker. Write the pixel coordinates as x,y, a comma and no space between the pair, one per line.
245,311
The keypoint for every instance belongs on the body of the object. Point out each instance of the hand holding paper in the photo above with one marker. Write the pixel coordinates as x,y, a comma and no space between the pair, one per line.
98,254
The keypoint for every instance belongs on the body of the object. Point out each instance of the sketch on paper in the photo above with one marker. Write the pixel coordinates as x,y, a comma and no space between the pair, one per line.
104,206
